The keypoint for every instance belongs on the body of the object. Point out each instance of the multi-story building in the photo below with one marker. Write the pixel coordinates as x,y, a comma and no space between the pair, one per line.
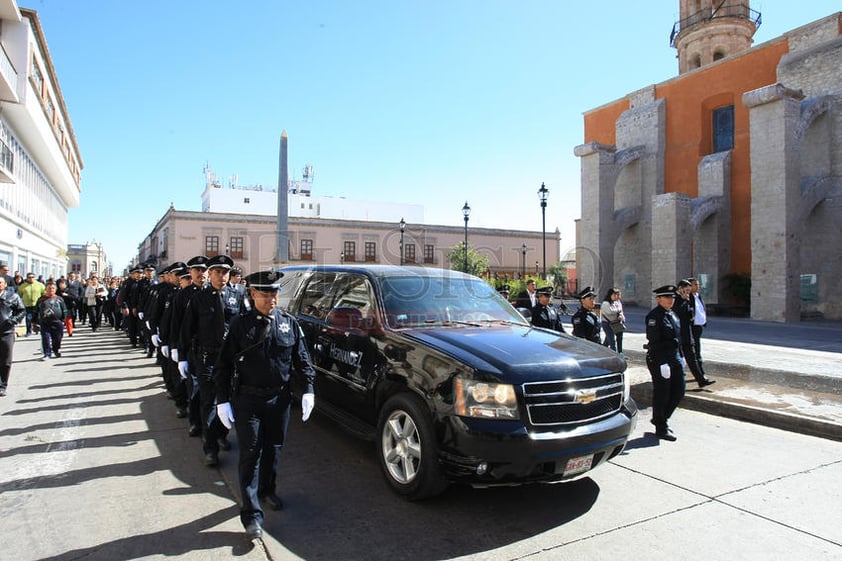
86,259
731,169
40,163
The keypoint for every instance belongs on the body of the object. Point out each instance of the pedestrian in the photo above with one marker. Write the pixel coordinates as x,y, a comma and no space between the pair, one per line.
544,314
30,291
268,350
206,321
585,321
74,292
12,311
61,290
683,310
700,320
95,295
527,298
10,280
613,320
663,359
51,314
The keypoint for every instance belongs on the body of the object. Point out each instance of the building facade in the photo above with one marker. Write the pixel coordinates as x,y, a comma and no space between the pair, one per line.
250,240
40,163
732,169
86,259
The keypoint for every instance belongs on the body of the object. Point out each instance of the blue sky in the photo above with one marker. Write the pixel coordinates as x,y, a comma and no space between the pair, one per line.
430,102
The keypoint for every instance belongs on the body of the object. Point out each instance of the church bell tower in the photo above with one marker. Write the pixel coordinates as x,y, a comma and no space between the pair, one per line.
712,29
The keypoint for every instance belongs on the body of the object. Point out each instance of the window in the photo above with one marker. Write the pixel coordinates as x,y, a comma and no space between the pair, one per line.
370,252
236,247
211,246
428,254
246,200
306,250
723,128
76,267
350,251
37,77
409,253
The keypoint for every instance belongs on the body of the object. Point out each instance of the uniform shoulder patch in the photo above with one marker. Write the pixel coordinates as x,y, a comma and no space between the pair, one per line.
651,322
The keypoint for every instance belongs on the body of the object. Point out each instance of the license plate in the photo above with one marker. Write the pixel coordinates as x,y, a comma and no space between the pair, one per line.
578,465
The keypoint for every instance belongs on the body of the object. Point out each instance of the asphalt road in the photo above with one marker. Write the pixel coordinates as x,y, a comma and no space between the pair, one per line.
94,465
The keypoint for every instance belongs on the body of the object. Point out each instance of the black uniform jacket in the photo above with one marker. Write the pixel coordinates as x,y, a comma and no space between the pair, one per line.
11,311
547,316
264,351
208,316
662,333
586,324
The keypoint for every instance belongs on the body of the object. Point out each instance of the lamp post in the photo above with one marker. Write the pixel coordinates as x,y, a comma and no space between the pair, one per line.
466,212
542,194
402,227
523,262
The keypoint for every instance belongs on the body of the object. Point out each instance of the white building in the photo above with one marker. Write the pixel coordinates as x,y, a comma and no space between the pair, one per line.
40,163
263,201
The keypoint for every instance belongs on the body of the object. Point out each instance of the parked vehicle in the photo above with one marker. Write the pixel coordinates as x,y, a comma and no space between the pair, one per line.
451,382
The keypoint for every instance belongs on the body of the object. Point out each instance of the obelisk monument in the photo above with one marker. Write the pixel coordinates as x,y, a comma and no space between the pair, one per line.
282,242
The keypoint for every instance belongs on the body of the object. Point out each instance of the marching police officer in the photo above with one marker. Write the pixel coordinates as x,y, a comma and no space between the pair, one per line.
586,323
264,352
197,271
544,314
664,360
205,325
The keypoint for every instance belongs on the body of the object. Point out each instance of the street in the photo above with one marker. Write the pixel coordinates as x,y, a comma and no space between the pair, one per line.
94,465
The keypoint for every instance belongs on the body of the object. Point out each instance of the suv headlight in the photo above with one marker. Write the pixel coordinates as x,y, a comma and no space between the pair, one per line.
485,400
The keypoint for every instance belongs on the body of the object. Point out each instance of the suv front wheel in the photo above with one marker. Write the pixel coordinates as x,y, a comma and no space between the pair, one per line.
407,448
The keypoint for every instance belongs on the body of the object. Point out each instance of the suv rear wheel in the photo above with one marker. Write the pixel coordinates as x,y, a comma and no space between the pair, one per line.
407,448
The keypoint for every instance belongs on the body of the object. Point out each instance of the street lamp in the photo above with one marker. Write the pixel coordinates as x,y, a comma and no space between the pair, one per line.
466,212
523,266
402,227
542,194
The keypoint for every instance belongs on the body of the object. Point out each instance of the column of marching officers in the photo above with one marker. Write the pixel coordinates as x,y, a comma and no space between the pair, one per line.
228,358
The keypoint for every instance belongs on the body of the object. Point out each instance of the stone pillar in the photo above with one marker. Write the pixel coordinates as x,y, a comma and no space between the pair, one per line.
712,236
595,244
671,235
774,113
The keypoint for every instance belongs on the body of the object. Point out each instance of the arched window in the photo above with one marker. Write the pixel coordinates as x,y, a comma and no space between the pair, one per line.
718,54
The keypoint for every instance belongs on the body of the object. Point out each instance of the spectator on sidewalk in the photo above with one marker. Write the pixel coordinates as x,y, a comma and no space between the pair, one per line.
95,295
74,295
12,311
613,320
683,308
10,280
30,291
51,314
700,320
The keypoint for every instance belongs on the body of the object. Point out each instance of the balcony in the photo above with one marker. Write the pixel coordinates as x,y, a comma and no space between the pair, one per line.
7,163
8,78
735,10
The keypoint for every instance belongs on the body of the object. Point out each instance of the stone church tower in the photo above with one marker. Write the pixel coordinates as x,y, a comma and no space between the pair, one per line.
710,30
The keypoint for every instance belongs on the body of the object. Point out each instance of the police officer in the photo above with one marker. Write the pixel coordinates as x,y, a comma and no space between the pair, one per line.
663,359
586,323
262,354
128,300
159,298
206,321
180,277
544,314
197,272
683,309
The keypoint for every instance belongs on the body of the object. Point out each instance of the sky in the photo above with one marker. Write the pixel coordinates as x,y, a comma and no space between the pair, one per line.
431,102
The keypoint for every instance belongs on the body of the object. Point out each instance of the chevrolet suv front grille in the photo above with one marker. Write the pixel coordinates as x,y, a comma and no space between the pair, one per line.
575,401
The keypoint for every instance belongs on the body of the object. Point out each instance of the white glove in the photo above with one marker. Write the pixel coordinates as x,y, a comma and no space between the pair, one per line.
156,340
225,414
665,371
308,401
182,369
165,350
174,354
683,362
140,315
147,324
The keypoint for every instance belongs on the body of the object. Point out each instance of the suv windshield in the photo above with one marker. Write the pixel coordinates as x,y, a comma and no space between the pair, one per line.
416,301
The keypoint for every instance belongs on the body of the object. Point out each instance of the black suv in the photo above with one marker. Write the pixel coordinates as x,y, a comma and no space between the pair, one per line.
451,382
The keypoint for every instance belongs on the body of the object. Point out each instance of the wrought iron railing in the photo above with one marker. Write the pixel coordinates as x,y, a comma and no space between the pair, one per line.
737,10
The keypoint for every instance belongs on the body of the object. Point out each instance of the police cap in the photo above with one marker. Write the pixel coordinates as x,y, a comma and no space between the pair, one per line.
588,292
265,281
503,289
148,266
545,291
179,268
220,261
666,290
136,268
684,282
200,262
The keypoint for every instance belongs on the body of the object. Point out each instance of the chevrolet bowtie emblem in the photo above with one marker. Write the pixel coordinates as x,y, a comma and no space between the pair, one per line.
584,396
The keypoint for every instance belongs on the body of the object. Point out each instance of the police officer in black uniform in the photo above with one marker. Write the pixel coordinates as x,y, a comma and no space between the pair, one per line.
197,270
128,302
586,323
544,314
180,274
145,288
663,359
206,322
263,353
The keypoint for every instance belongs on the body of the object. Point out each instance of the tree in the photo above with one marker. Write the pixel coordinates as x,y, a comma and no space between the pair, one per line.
477,264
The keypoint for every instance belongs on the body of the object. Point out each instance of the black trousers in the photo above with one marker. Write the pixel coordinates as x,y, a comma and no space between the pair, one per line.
697,341
666,392
261,425
212,427
7,345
